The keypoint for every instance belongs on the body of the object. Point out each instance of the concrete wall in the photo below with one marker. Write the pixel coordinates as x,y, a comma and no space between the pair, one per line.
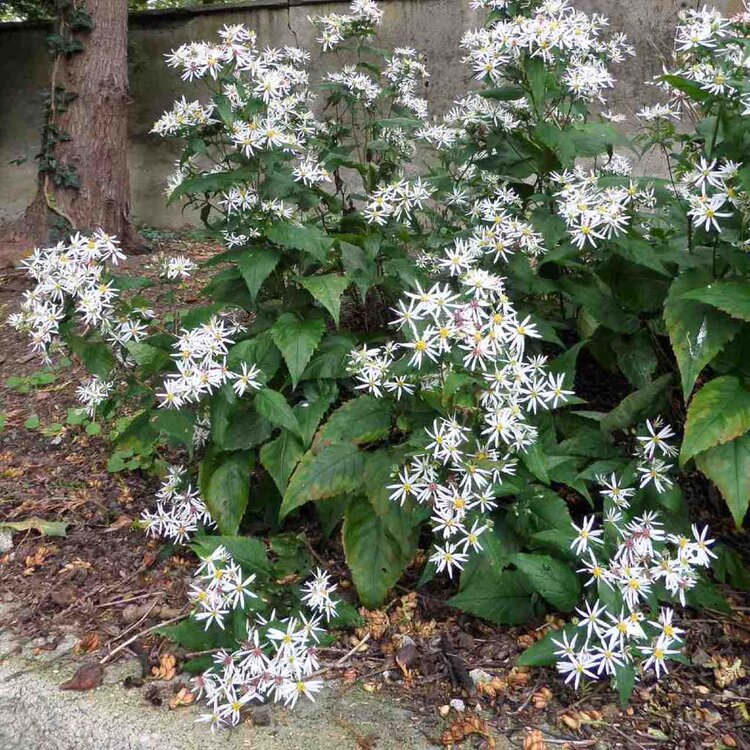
432,26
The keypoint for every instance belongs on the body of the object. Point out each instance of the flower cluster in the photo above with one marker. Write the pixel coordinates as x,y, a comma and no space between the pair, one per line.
179,509
94,392
177,267
712,192
465,328
710,50
363,18
593,213
628,562
200,357
397,200
563,38
276,661
71,273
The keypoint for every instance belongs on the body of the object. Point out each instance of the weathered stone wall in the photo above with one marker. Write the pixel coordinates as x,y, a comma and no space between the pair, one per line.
432,26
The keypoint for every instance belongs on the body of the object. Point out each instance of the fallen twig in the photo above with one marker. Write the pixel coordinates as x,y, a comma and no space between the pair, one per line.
124,645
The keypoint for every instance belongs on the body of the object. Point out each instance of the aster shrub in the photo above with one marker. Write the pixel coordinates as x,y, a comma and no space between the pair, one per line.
390,336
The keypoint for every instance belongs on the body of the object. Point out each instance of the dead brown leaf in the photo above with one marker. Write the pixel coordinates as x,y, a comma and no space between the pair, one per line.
167,668
89,642
88,677
183,698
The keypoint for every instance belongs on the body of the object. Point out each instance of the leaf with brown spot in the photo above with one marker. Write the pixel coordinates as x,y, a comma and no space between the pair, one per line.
88,677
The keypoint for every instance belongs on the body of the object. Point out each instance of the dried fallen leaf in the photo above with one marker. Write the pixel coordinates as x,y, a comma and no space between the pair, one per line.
728,672
120,523
45,528
89,642
183,698
167,668
534,740
542,698
463,728
88,677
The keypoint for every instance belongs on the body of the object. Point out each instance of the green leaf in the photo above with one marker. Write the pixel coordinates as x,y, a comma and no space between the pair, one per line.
32,422
361,420
308,239
625,681
636,358
150,359
93,428
45,528
704,595
556,582
697,331
273,406
378,547
503,94
319,397
505,598
730,568
225,487
95,355
279,458
334,470
177,424
542,653
297,340
595,298
728,467
327,290
718,413
731,297
635,406
255,266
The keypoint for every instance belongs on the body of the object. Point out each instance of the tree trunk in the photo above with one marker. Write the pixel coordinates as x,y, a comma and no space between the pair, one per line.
95,123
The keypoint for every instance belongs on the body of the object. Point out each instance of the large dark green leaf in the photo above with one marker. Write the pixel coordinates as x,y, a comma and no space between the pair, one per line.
378,547
718,413
636,406
728,467
732,297
306,238
297,340
273,406
280,456
225,486
327,290
554,580
255,266
505,598
698,332
362,420
332,471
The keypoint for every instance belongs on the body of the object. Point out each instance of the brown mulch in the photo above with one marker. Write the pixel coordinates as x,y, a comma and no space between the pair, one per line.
104,582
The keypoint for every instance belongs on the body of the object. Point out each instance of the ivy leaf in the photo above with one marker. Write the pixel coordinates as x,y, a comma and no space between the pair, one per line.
255,267
225,487
280,456
273,406
297,340
718,413
728,467
362,420
697,331
504,598
556,582
378,547
635,406
319,475
327,290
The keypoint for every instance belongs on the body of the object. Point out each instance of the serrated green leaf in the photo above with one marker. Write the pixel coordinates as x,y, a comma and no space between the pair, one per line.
225,487
378,547
332,471
732,297
542,653
327,290
728,467
635,406
319,397
273,406
556,582
361,420
280,457
297,340
255,266
504,598
306,238
696,331
719,412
